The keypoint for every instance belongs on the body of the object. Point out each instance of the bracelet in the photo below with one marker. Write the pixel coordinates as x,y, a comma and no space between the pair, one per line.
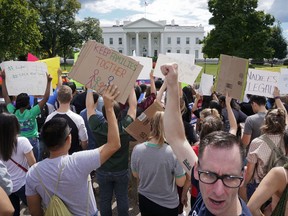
90,90
277,97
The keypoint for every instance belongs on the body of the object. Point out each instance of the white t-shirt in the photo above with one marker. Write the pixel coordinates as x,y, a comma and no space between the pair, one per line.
18,175
73,185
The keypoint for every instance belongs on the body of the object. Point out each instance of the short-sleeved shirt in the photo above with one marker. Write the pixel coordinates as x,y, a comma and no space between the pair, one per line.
259,152
157,168
77,124
199,208
5,180
18,176
27,120
253,124
119,160
74,188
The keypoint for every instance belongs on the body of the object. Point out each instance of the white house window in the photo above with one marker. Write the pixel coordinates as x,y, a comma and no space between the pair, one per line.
187,51
197,41
196,54
133,41
187,40
120,51
178,51
120,41
168,51
111,41
178,40
169,40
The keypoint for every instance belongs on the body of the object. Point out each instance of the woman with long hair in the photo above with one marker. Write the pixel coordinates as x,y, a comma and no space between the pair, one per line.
154,164
16,153
260,152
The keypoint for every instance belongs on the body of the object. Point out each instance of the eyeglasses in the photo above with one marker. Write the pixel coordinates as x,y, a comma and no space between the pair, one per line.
229,181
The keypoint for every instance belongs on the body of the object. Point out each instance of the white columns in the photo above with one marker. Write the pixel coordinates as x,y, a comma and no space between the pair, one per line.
162,43
137,43
149,44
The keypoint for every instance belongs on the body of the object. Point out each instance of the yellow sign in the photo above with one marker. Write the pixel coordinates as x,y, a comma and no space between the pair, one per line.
53,64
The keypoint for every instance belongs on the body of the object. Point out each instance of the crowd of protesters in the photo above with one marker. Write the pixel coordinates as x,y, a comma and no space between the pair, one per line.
213,148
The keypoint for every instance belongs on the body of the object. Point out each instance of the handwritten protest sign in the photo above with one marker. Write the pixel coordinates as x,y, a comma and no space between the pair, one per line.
25,77
187,73
206,84
188,58
260,82
53,64
97,66
283,81
140,128
231,76
147,66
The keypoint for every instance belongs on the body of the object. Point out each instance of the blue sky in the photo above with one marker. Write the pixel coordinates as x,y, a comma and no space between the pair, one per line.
183,12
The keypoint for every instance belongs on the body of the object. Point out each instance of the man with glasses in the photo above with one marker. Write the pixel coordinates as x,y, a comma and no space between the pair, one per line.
220,169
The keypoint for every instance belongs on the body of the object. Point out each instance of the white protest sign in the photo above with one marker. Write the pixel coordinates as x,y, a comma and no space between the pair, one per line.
25,77
206,84
188,58
147,66
261,82
283,81
187,73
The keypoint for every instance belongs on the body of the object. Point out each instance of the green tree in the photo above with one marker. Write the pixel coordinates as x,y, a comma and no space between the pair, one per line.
277,42
19,32
89,29
239,30
56,17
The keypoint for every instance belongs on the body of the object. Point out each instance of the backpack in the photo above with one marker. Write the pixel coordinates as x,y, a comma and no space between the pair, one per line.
56,206
41,118
277,157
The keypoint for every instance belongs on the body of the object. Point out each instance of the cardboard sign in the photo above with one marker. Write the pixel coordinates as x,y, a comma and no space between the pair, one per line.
283,81
260,82
97,66
25,77
53,64
231,76
140,128
147,66
188,58
206,84
187,72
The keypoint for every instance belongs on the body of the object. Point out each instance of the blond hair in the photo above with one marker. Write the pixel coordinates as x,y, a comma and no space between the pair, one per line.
157,128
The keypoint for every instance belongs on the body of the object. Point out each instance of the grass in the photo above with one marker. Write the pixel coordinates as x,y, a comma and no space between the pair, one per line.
212,69
209,69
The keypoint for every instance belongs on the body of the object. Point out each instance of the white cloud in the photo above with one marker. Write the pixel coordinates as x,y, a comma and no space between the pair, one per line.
184,12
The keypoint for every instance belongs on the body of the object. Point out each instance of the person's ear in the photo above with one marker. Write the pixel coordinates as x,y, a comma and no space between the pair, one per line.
244,175
195,171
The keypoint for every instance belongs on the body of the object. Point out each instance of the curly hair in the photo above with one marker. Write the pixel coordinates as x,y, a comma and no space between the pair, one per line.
274,122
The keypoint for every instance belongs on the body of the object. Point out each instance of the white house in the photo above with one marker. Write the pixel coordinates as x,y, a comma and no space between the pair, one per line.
149,38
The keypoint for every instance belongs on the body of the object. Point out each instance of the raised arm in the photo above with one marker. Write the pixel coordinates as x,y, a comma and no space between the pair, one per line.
152,83
4,88
278,102
47,92
132,100
173,125
161,92
231,116
59,78
113,139
196,101
90,105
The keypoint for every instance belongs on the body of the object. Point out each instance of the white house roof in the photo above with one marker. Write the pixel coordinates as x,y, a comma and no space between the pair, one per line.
143,23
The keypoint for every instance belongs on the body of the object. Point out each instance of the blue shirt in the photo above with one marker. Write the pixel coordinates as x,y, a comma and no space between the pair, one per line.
199,208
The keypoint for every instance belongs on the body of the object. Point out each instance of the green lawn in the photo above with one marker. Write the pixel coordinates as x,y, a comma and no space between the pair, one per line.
212,69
